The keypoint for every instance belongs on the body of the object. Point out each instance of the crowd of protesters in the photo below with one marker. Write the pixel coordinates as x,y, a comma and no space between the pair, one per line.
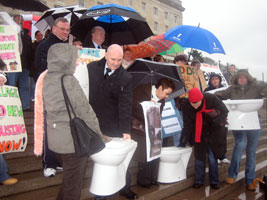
118,108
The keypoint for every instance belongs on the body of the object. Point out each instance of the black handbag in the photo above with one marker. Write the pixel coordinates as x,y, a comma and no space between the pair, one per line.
86,141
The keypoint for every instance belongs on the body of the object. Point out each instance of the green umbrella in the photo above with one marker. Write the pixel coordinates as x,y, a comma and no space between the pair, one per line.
176,48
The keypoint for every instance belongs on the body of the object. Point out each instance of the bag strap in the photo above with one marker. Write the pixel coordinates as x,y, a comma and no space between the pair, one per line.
66,98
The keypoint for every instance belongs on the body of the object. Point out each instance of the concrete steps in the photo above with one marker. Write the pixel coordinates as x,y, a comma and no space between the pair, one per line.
32,185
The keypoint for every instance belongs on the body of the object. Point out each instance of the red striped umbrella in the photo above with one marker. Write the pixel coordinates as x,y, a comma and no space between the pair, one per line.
161,44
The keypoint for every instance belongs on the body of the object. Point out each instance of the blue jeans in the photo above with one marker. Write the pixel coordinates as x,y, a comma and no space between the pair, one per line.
200,167
252,138
24,90
3,169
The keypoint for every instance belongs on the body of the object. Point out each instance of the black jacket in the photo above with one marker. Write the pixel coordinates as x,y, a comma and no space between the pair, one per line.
27,52
213,127
111,99
42,50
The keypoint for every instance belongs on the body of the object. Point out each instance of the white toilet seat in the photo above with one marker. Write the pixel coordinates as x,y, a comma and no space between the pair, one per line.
173,164
110,166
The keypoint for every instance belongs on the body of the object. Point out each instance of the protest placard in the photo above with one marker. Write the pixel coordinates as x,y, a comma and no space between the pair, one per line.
190,77
208,69
152,118
171,120
9,49
13,134
86,55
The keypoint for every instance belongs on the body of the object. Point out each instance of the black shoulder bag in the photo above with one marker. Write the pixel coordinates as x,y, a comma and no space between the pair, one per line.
86,141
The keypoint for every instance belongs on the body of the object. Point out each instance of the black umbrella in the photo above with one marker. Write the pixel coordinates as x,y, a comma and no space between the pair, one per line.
27,5
123,25
149,72
71,13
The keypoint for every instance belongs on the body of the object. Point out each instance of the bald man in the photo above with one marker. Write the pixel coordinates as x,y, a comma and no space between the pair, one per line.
95,38
110,95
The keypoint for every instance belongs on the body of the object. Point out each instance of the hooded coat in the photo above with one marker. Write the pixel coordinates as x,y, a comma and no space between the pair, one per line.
61,61
210,86
252,90
213,127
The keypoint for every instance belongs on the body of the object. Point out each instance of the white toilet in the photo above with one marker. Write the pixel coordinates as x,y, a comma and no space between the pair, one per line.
110,165
173,164
243,114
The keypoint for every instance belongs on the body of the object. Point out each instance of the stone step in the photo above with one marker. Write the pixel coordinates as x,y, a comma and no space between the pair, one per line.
243,193
208,193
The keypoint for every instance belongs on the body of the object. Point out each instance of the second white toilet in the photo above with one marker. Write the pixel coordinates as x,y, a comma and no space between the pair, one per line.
173,164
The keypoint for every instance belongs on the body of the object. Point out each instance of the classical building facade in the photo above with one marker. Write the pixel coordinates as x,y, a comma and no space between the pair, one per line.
161,15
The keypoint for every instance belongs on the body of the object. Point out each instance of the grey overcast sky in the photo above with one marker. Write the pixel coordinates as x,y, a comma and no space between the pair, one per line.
240,26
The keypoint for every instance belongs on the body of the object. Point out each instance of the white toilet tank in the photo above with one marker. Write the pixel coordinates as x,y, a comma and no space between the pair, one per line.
243,114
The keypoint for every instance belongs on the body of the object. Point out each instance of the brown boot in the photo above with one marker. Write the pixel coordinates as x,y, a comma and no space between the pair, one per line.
10,181
230,180
251,187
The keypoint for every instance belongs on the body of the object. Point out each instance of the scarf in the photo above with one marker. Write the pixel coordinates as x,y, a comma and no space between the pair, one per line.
39,116
198,125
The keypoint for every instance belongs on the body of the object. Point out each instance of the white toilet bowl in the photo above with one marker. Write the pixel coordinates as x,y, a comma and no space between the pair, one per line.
173,164
110,166
243,114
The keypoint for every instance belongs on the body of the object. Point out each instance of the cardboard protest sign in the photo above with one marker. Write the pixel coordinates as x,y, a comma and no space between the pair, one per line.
152,118
190,77
9,49
87,55
13,134
208,69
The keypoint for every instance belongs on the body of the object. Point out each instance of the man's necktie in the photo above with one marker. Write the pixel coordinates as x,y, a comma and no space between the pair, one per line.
106,74
99,47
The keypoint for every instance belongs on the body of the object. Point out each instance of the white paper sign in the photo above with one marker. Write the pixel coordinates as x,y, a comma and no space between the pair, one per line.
87,55
13,134
153,129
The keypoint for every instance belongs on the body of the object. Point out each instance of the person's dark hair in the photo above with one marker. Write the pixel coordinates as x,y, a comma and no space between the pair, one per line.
181,57
2,65
165,83
195,62
127,49
47,32
157,58
36,32
76,40
60,19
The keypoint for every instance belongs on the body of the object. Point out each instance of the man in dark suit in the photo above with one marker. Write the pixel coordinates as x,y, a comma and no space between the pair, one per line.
111,90
95,38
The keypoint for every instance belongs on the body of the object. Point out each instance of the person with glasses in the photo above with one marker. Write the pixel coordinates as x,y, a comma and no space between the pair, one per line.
60,33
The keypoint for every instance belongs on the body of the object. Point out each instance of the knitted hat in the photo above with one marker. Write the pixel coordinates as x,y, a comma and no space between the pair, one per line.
195,95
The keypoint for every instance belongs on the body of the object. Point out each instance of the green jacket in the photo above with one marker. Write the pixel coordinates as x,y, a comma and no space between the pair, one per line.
252,90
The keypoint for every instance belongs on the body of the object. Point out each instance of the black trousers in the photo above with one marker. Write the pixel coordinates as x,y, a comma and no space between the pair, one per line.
73,175
148,172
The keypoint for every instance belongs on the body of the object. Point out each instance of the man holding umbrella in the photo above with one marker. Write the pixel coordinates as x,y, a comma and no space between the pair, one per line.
110,87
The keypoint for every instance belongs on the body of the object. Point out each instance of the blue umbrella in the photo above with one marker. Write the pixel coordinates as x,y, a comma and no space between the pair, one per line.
195,37
123,25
